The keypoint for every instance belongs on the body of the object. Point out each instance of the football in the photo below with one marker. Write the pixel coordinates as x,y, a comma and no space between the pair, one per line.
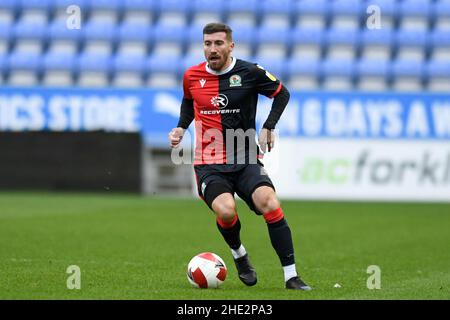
206,270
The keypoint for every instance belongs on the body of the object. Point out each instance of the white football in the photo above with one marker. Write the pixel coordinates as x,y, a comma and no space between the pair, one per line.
206,270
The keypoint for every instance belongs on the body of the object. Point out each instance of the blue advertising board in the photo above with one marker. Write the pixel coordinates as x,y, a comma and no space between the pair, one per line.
154,112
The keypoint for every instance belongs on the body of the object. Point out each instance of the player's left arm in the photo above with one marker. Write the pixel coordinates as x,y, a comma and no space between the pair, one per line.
271,87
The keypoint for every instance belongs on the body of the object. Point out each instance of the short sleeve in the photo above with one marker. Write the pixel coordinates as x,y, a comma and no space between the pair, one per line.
266,83
186,92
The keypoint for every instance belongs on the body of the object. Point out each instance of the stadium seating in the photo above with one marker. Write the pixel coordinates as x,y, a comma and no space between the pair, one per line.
372,74
438,76
315,44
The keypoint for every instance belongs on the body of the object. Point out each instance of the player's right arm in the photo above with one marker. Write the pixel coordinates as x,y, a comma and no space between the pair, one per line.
186,115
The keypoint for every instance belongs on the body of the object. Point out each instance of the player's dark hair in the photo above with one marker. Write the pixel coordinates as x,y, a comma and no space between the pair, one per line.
218,27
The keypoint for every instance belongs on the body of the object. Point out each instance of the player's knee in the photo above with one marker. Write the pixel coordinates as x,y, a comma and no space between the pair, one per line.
267,202
270,203
226,210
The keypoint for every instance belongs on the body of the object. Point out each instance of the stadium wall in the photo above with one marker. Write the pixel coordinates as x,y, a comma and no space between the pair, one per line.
333,145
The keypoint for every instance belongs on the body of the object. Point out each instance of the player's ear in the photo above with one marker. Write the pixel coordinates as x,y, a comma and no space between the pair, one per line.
232,45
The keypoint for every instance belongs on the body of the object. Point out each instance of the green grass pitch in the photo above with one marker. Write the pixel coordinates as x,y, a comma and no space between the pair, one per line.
132,247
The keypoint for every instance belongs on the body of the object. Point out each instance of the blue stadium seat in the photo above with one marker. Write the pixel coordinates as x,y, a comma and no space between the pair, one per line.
105,10
241,12
59,69
187,62
441,8
114,5
337,67
245,39
308,36
415,14
388,10
10,5
63,4
276,12
168,8
194,34
337,74
94,62
244,34
164,71
59,61
143,11
58,30
377,43
411,38
241,6
319,7
346,7
302,66
170,33
372,67
438,76
440,44
194,40
94,69
274,66
129,62
129,70
135,32
303,74
36,4
372,74
272,35
5,31
208,6
387,7
31,30
25,61
437,69
441,15
3,64
105,31
420,8
164,64
383,36
342,36
24,68
174,5
440,38
342,43
307,42
149,5
407,75
272,41
173,34
276,6
407,68
345,13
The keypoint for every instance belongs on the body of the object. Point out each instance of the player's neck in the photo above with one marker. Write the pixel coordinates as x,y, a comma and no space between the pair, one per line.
226,67
227,64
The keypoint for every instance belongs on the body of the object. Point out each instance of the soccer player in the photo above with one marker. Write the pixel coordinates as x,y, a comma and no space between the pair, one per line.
221,95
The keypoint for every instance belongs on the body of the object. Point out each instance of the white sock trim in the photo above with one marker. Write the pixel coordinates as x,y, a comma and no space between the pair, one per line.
289,272
240,252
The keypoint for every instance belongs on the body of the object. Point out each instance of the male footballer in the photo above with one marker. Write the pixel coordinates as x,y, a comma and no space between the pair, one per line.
221,94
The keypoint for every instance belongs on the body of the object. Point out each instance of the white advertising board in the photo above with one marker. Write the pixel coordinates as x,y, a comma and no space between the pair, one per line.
362,169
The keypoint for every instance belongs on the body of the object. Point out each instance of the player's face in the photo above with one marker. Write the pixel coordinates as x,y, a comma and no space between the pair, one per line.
217,50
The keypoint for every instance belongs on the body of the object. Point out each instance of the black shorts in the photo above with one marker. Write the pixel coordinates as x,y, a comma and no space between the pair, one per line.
212,182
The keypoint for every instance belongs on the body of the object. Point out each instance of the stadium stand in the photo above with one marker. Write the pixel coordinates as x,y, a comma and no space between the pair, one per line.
309,44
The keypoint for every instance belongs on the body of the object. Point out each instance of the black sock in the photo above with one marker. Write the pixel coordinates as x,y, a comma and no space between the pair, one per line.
231,235
280,236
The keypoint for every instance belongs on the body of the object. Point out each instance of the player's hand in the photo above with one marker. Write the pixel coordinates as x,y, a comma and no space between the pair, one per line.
175,136
266,139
